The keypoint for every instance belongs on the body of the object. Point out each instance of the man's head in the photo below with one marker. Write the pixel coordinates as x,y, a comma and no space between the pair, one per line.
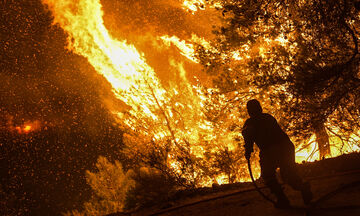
253,107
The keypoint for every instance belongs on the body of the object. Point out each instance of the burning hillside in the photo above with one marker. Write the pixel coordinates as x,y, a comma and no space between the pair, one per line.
171,79
173,112
169,113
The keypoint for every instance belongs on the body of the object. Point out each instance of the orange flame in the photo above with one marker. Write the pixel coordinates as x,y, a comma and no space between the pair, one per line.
120,63
25,128
156,113
194,5
186,47
310,152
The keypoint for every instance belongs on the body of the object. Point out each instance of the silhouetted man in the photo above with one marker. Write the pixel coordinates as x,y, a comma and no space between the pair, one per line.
276,150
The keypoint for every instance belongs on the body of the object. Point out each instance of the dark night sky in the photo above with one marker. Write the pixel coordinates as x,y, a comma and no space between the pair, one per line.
42,173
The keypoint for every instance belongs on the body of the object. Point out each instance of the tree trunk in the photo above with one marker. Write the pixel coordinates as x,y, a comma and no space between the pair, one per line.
322,139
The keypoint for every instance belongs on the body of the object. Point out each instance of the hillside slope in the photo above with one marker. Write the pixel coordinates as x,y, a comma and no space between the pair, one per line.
340,175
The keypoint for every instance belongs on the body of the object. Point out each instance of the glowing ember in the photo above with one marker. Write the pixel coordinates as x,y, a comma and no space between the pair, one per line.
25,128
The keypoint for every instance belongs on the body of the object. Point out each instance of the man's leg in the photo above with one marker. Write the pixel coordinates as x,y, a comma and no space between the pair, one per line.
268,173
290,175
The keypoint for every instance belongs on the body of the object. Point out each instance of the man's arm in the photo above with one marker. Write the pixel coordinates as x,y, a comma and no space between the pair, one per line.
247,133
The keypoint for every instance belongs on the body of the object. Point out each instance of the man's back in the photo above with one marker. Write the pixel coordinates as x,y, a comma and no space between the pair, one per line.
264,130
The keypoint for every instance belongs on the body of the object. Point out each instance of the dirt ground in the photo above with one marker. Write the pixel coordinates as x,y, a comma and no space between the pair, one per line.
249,202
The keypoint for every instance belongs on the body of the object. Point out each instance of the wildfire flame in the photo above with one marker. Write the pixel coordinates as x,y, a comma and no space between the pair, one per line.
120,63
186,47
194,5
156,112
310,152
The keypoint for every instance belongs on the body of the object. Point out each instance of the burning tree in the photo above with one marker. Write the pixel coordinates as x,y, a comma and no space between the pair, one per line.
179,128
301,57
264,48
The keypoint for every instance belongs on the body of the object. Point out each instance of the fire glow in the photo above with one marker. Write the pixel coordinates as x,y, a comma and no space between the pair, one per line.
156,113
26,128
194,5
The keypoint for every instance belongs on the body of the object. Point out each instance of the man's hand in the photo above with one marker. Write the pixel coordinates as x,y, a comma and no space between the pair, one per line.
247,155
